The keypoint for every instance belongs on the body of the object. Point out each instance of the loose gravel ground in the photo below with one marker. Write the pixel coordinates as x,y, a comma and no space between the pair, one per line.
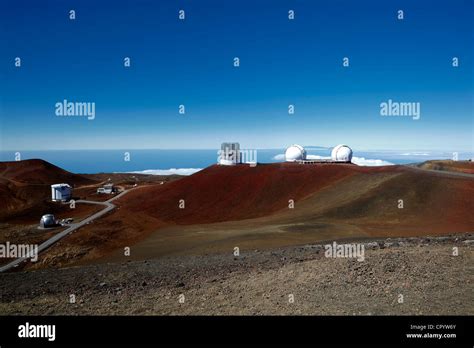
398,276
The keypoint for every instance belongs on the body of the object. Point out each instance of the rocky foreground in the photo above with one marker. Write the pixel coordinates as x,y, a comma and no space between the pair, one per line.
398,276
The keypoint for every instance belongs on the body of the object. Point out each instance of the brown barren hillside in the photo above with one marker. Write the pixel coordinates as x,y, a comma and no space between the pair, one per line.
25,188
332,202
37,171
249,206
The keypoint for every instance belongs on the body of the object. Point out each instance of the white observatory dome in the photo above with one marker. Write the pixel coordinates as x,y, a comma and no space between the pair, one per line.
341,153
48,220
295,153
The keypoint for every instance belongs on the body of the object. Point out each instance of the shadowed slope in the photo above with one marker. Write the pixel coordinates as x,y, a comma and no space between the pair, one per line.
25,186
36,171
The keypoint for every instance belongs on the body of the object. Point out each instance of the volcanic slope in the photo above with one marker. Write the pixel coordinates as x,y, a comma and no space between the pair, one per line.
25,185
225,206
222,193
334,191
221,207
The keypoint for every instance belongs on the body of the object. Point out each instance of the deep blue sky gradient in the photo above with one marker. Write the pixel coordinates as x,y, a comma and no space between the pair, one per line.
282,62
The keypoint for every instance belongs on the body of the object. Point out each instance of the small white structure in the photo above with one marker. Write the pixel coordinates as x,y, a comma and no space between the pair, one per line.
229,155
341,153
48,221
61,192
295,153
107,189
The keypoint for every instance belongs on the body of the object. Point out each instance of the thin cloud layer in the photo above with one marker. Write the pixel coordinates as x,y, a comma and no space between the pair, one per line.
171,171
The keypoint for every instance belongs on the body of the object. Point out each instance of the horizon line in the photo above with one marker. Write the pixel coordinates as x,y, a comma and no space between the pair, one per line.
243,148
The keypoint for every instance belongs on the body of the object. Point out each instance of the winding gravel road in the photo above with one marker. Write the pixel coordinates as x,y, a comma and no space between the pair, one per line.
441,172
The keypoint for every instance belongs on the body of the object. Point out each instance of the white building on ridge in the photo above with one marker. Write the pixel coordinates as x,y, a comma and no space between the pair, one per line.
341,153
229,154
295,153
61,192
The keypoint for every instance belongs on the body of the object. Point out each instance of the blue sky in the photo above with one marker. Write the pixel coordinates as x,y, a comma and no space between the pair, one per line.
190,62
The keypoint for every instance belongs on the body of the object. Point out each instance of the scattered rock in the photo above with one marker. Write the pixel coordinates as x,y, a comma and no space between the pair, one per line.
372,245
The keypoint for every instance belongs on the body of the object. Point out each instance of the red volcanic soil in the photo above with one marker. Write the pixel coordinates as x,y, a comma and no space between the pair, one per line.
25,192
222,193
250,206
36,171
366,197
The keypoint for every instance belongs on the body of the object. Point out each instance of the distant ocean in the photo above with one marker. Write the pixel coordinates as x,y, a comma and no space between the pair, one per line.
189,161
